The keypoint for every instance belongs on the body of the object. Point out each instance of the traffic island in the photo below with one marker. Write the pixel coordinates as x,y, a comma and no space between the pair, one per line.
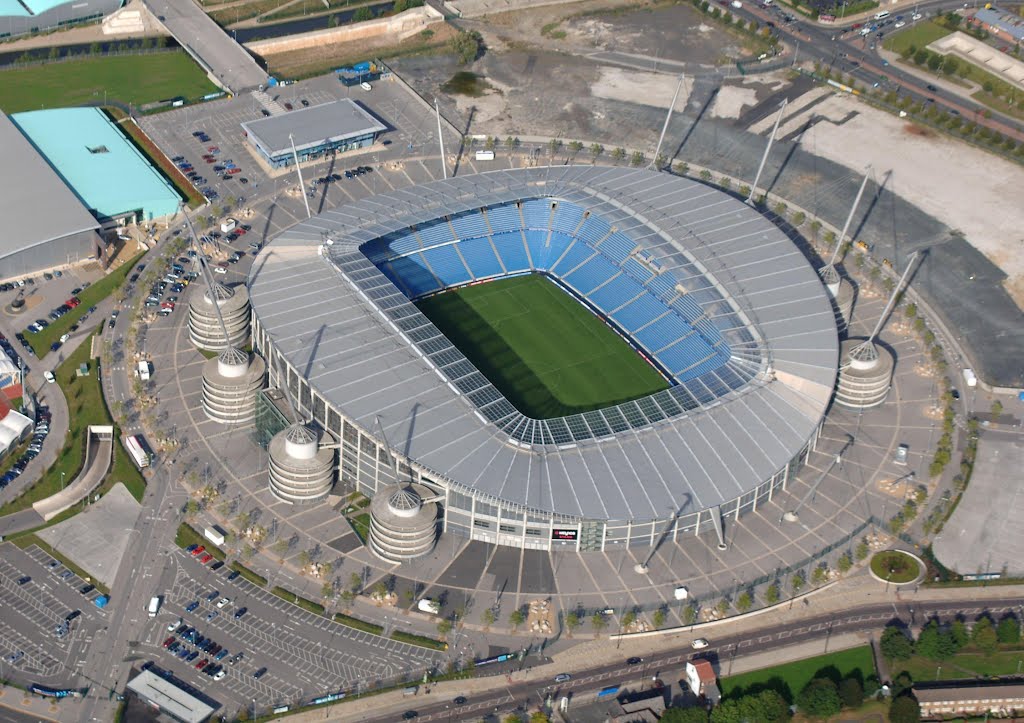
896,567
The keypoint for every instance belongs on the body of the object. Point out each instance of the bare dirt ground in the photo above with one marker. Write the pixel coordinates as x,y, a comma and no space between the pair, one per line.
965,188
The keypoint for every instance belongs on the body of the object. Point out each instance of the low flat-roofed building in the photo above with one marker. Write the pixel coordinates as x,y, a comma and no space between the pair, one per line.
339,126
44,223
1001,23
170,698
969,699
99,163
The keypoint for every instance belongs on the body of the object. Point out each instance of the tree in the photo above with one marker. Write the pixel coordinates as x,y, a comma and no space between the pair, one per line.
510,144
575,147
984,635
744,601
997,408
444,626
844,563
280,547
628,618
362,14
488,617
598,622
658,618
959,634
467,46
722,607
819,698
771,595
553,145
327,591
927,644
934,62
572,621
950,65
797,582
689,614
400,6
921,56
516,618
596,149
191,508
618,154
637,159
355,582
895,645
904,709
820,574
1008,630
695,714
861,550
851,693
539,716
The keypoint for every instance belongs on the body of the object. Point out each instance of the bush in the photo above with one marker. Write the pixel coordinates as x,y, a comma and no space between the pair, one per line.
819,698
904,709
420,640
894,644
851,693
1008,630
467,46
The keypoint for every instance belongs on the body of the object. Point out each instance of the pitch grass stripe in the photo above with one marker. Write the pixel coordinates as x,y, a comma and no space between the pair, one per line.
540,347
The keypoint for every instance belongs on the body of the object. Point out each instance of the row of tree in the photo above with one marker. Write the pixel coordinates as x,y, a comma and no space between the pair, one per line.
940,641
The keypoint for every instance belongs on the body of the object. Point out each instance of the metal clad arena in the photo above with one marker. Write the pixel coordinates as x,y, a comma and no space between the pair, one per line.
331,307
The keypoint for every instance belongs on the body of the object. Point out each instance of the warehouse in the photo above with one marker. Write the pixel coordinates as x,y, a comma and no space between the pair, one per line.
320,129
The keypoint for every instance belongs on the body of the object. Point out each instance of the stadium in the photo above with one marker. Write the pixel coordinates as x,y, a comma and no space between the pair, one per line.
570,358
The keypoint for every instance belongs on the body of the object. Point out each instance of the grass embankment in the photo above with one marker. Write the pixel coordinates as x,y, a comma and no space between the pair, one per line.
350,622
130,79
966,664
149,149
577,365
226,16
188,535
302,602
27,540
248,574
324,7
789,679
85,407
90,297
421,640
361,525
919,36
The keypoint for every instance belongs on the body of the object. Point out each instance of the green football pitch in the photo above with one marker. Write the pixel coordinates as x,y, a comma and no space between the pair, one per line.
540,347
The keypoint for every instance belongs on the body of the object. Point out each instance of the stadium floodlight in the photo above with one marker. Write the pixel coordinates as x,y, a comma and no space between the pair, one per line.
767,150
828,271
668,117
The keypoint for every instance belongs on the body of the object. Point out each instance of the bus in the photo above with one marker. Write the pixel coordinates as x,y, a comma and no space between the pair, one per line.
137,451
49,692
608,692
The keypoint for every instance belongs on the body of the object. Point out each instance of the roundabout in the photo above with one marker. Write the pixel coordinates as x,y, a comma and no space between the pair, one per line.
896,567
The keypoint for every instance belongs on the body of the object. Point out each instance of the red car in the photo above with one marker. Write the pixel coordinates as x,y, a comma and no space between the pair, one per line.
211,149
198,551
169,642
240,231
73,302
202,664
233,171
211,159
205,558
167,305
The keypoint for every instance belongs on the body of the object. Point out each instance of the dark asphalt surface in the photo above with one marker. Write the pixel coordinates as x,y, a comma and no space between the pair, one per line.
863,619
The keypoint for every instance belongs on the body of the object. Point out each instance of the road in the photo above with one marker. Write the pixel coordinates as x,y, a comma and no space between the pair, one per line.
844,49
868,618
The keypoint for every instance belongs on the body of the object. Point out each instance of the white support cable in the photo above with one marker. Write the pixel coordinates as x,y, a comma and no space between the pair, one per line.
767,150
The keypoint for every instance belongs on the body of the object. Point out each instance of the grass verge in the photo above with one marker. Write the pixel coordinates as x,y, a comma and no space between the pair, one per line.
350,622
967,663
159,159
789,679
580,364
90,297
130,79
361,525
27,540
248,574
895,566
421,640
188,535
298,600
85,407
920,35
238,13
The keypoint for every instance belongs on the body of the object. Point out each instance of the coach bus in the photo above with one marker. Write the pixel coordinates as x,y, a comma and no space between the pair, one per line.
137,450
53,692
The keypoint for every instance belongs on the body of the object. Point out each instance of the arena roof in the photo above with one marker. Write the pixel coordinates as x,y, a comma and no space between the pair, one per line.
313,126
28,182
98,162
326,325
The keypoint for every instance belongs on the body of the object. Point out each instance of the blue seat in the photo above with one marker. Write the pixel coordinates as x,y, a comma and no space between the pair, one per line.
394,277
504,218
537,213
663,332
480,258
415,276
576,255
469,225
615,293
435,233
567,217
447,265
663,286
638,312
617,247
593,230
512,251
684,354
536,240
552,250
592,274
637,270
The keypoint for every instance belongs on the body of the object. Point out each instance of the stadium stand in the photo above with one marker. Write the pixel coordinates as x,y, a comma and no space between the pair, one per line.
586,254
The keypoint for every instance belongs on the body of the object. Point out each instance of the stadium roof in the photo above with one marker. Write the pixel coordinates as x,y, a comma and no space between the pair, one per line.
313,126
98,162
169,697
326,325
28,181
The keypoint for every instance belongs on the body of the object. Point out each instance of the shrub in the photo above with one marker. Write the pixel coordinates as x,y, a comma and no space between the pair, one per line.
851,693
819,698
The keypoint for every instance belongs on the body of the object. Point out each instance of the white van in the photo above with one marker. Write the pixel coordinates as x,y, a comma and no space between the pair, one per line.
229,225
882,15
154,606
366,86
485,155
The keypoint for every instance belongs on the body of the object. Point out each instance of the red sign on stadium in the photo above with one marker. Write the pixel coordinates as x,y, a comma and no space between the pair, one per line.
564,534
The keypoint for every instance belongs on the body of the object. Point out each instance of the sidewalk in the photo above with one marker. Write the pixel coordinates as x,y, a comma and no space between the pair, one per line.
854,591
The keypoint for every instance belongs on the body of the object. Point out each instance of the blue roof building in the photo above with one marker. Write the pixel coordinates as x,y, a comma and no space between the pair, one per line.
99,163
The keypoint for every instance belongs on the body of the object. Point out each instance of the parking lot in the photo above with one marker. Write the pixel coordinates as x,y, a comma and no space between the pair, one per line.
304,654
46,622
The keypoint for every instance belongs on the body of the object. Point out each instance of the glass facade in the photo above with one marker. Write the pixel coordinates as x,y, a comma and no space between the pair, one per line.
284,159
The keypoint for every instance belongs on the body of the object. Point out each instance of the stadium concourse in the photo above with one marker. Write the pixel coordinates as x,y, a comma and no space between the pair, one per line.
710,293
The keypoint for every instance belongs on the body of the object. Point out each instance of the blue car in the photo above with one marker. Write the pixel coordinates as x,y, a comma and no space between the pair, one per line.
192,606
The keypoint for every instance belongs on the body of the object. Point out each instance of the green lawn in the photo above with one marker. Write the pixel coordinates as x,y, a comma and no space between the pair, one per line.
920,35
134,79
85,406
540,347
790,679
90,297
966,664
361,525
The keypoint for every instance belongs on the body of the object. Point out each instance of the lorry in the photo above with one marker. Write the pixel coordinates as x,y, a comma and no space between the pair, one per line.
969,378
154,606
144,370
